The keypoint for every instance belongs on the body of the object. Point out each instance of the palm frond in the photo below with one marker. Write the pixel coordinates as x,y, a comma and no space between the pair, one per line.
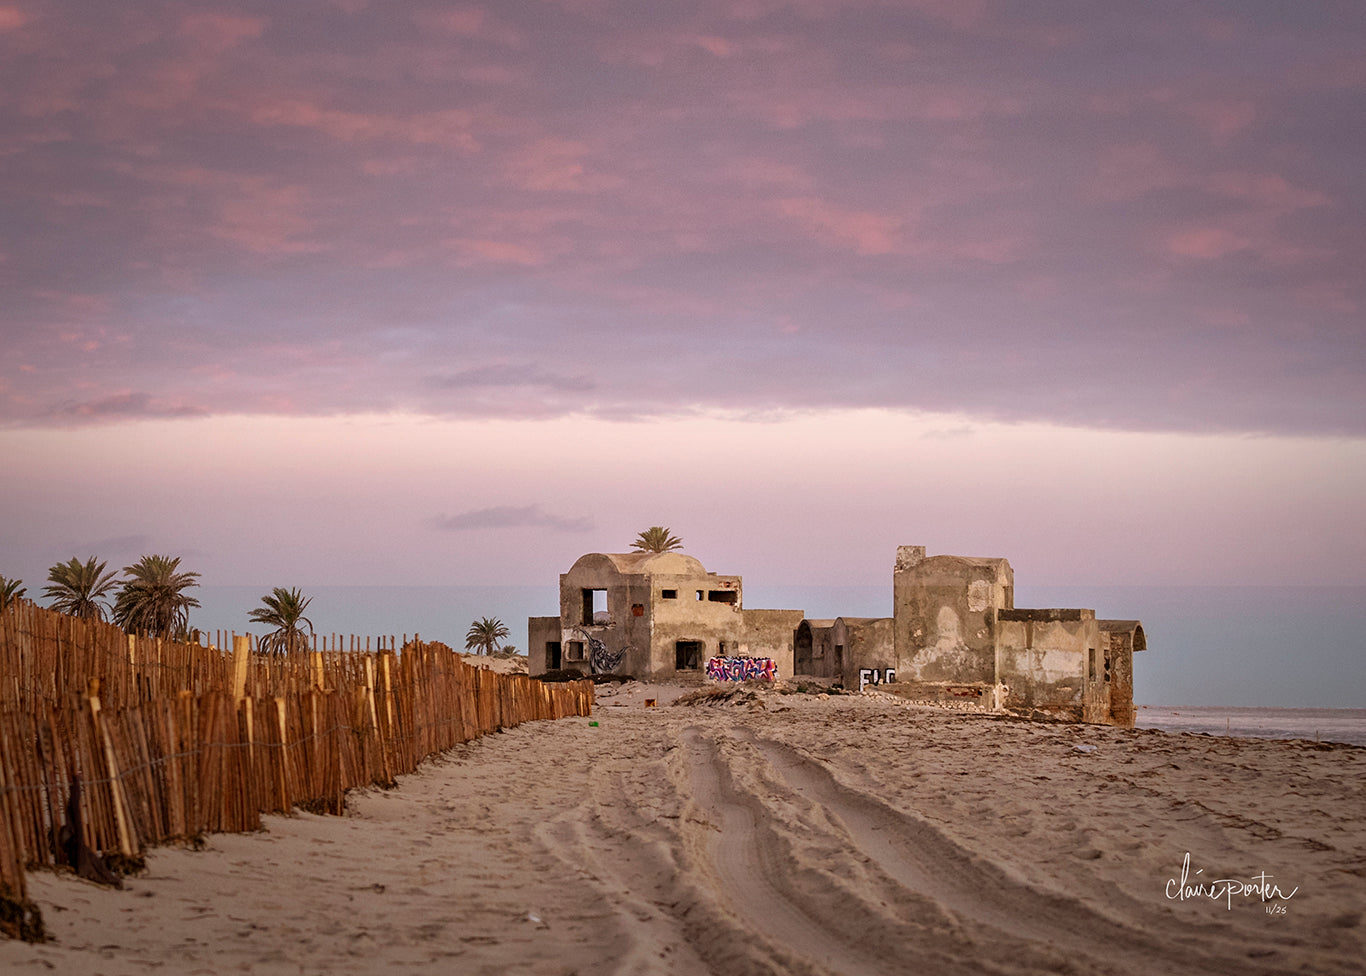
152,599
485,634
79,589
657,538
284,610
10,590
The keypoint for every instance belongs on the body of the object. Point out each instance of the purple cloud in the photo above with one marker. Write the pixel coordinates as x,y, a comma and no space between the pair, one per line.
510,517
505,375
122,406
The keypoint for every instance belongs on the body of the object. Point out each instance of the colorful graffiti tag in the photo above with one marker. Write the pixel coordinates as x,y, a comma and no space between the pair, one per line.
742,669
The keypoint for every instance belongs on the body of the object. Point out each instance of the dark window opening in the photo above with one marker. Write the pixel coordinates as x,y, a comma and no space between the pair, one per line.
668,594
595,607
722,596
573,651
1092,652
1107,666
552,655
699,594
687,655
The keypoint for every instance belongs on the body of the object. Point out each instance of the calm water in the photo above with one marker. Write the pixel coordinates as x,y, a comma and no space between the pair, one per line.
1265,647
1321,724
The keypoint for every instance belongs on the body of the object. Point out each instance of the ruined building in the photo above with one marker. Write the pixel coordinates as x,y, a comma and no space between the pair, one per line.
958,635
654,614
955,635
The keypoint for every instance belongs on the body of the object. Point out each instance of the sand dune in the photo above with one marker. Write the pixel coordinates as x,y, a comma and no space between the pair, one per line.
783,834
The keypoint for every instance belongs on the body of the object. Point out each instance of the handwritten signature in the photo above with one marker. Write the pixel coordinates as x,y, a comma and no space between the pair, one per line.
1224,889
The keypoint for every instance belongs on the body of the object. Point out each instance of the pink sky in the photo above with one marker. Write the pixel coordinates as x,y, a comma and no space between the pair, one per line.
386,293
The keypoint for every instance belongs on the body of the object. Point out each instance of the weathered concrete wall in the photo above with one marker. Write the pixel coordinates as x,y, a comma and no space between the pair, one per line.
771,633
717,625
541,632
1122,712
619,628
814,652
1044,659
868,645
1123,638
944,609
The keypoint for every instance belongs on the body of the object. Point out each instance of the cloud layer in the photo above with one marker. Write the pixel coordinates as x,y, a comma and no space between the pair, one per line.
1119,220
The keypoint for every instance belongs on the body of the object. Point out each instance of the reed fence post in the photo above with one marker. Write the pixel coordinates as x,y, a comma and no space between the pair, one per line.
241,658
112,770
286,799
376,732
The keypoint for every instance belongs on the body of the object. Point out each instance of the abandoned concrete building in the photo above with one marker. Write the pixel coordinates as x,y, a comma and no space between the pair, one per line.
654,614
955,635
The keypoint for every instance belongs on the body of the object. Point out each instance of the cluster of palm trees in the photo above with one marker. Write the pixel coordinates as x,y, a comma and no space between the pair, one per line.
151,599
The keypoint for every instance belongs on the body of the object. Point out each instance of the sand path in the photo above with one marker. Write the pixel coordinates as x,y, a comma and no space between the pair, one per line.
789,835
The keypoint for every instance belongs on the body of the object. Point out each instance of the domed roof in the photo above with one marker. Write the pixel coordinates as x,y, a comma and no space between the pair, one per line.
639,563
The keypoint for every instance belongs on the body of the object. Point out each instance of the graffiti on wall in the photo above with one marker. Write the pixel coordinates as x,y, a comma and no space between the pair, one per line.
600,659
742,669
875,676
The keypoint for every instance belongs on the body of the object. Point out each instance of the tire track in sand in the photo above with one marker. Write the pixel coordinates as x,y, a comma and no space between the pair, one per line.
629,878
755,877
921,858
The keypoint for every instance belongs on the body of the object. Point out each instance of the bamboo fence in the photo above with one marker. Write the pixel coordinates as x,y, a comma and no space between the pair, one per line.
174,740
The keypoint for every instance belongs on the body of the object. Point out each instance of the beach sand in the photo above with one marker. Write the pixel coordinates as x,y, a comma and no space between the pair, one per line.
767,834
500,663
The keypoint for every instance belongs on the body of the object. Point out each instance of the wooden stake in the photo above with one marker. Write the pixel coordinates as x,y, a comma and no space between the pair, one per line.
115,786
241,658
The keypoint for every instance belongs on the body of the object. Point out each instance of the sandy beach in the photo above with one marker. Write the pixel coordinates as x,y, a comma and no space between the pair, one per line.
770,833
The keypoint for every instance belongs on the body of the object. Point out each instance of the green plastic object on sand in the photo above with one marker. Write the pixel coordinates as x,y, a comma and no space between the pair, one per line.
592,725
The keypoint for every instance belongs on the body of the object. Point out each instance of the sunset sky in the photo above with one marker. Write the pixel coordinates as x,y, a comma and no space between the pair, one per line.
415,292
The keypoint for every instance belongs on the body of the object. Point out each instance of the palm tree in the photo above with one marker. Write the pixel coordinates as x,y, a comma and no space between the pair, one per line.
10,590
657,538
79,589
484,635
283,610
151,600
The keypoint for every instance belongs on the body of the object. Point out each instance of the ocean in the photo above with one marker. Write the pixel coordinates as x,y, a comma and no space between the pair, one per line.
1319,724
1299,647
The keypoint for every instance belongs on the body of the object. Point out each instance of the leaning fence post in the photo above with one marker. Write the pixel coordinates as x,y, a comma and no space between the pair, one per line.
112,768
